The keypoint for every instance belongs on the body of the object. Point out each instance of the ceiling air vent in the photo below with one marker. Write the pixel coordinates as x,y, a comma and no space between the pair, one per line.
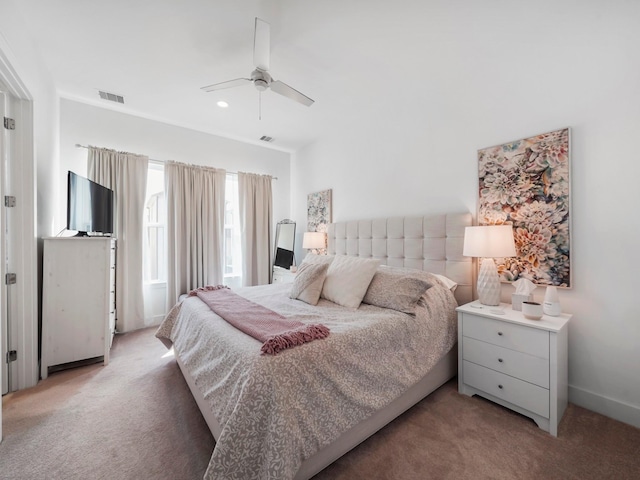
112,97
266,138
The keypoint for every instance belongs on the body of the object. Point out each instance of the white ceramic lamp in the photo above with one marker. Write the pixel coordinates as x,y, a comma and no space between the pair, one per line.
488,242
315,241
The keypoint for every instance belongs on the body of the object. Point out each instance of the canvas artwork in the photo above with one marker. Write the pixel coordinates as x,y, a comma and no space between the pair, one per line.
526,183
318,211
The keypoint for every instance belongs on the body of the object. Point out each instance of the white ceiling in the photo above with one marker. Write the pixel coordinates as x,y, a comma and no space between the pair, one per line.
352,58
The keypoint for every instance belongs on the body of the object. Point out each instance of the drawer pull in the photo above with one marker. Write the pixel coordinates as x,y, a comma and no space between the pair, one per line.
500,333
500,360
500,387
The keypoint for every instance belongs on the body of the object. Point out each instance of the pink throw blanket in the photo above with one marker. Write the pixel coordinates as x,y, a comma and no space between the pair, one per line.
275,331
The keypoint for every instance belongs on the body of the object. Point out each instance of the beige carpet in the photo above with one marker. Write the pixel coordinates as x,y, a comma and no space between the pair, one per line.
135,419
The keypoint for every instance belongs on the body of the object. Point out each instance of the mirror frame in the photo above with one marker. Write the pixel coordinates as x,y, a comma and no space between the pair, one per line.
286,221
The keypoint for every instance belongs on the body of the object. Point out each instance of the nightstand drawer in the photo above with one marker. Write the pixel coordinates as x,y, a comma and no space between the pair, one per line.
526,367
508,335
524,394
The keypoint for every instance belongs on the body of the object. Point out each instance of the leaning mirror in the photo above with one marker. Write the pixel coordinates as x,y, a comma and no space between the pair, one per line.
284,243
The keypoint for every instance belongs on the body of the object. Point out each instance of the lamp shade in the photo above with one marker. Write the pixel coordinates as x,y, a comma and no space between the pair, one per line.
312,240
489,241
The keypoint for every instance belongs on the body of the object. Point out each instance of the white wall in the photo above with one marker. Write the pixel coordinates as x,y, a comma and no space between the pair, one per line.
90,125
498,72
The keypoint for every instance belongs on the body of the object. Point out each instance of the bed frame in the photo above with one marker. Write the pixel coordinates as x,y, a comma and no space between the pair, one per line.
432,243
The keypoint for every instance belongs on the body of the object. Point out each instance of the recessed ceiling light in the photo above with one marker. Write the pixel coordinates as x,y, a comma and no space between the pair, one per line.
222,104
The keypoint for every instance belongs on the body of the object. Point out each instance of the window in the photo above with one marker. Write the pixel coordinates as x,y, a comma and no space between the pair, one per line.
232,241
155,253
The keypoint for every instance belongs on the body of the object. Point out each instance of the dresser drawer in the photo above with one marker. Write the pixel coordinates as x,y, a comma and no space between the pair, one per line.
508,335
283,276
523,394
526,367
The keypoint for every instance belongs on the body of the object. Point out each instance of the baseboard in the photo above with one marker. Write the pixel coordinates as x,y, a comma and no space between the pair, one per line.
608,407
153,321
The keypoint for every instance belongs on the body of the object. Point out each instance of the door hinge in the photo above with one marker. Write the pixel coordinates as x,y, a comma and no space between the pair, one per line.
9,123
9,201
12,356
10,279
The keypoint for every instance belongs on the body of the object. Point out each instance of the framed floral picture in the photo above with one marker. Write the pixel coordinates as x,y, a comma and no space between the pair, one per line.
318,211
526,184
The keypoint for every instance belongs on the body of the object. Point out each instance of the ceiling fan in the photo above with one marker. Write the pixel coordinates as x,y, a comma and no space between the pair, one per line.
260,77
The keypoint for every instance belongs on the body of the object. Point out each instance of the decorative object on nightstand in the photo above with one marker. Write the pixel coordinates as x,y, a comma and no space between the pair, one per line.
523,293
551,305
518,363
532,310
316,242
489,242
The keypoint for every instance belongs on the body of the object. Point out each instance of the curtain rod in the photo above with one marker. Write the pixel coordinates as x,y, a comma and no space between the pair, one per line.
164,161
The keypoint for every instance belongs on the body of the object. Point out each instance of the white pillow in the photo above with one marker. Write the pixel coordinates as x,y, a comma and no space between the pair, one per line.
348,279
308,282
316,259
450,284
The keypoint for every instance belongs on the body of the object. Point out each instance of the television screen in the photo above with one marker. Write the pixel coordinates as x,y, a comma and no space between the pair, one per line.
89,206
284,258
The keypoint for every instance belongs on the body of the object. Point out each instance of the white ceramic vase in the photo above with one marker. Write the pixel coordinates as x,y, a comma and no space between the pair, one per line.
551,304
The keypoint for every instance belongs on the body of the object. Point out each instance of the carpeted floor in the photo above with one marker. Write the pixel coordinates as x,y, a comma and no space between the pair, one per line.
135,419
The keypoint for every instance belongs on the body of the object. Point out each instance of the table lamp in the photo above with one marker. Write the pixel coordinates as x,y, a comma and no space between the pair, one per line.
315,241
488,242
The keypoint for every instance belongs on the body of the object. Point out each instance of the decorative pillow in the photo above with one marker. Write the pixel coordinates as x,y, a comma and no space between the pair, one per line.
348,279
450,284
308,282
395,290
315,259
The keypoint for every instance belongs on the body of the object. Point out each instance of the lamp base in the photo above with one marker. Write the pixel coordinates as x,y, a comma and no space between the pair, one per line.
489,283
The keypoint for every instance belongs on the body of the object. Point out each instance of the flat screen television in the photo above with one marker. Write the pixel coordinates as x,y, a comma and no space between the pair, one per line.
284,258
89,206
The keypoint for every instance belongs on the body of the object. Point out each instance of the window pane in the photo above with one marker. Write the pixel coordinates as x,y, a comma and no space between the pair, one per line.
154,253
232,242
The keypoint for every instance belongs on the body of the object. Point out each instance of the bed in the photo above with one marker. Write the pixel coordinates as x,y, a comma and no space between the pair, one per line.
289,415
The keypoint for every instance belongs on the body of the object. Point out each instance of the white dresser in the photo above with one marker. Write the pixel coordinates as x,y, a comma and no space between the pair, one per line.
282,275
515,362
78,300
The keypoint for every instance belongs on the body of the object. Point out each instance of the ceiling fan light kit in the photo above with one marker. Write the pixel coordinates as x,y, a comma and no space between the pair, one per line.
260,77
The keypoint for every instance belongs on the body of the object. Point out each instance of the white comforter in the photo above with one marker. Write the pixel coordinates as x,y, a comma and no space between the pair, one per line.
276,411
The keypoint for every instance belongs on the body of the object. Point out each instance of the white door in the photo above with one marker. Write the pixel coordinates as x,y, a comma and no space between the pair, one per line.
18,252
5,330
8,243
3,311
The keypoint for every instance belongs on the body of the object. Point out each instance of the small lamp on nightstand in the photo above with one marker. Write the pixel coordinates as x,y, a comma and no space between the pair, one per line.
315,241
489,242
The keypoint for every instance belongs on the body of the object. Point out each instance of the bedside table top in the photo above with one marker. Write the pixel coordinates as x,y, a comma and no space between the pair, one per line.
547,322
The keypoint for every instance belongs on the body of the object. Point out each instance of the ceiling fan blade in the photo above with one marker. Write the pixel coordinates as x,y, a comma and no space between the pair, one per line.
228,84
285,90
262,45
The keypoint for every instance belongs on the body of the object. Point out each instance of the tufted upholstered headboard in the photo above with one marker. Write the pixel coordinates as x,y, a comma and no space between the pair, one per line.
432,243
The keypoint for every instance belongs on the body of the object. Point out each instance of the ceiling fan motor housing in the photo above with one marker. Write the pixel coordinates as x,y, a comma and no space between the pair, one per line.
261,79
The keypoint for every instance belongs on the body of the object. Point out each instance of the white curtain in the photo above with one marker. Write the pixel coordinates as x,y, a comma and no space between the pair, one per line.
195,227
126,175
255,201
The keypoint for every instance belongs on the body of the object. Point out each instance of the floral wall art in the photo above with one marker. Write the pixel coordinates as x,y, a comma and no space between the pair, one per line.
526,183
318,211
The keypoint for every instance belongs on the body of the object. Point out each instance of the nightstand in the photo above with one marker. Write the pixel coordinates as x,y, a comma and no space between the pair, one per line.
518,363
282,275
